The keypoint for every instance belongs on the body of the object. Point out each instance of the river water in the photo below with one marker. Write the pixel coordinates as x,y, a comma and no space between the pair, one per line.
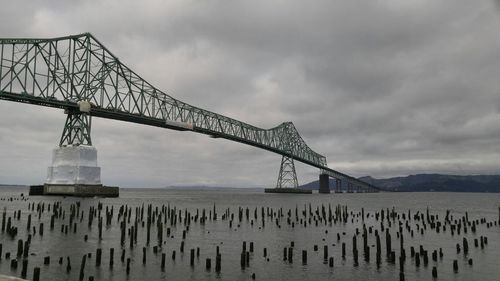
282,225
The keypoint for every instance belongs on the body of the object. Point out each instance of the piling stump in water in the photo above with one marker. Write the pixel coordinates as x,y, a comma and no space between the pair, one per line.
163,257
82,267
111,257
208,264
98,257
24,269
218,263
36,274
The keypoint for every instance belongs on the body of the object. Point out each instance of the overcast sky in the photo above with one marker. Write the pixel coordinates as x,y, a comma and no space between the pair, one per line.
380,87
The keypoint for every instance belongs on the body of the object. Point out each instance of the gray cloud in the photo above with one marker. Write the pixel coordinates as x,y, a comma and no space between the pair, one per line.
379,87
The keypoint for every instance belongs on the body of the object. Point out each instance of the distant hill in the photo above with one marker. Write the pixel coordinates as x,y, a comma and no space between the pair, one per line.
12,185
430,182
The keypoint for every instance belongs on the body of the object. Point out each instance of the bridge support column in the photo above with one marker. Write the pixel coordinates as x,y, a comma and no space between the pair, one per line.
324,183
338,185
287,179
349,187
74,170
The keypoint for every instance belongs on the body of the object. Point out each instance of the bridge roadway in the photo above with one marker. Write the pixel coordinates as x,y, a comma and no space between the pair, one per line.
61,72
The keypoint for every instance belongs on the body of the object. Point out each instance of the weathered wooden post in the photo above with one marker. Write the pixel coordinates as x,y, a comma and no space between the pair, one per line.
111,257
98,257
163,257
208,264
82,267
36,274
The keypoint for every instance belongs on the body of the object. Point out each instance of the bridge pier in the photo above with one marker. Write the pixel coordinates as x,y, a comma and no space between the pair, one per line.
338,186
349,187
324,183
74,170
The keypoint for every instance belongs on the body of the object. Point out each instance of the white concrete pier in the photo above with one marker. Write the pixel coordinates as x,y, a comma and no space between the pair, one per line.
74,172
74,165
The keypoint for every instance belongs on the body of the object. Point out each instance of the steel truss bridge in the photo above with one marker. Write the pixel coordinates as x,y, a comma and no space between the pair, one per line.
80,75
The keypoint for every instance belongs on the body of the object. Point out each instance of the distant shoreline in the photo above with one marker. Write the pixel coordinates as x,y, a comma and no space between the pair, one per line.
430,183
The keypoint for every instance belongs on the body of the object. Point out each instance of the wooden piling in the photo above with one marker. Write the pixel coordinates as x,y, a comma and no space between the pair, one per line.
218,263
68,265
388,242
163,257
19,248
82,267
36,274
24,269
355,250
192,257
465,246
98,257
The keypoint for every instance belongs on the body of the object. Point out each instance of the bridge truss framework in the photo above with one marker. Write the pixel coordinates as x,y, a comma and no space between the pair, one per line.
66,71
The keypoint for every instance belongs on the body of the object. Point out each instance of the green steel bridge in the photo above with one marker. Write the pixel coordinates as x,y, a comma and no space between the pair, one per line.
80,75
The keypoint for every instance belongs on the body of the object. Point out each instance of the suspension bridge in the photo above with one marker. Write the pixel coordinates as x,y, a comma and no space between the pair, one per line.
81,76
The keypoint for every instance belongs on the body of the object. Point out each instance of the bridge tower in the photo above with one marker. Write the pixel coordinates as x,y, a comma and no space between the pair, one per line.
287,178
74,169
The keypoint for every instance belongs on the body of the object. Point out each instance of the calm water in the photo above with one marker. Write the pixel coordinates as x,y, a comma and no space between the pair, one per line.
274,235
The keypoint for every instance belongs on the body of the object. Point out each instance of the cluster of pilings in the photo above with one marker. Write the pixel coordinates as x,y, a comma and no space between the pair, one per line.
383,237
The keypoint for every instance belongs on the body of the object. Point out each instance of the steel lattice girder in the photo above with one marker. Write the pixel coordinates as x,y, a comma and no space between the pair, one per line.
60,72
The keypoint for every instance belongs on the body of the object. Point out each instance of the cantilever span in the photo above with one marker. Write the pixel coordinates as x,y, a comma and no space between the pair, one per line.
62,72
